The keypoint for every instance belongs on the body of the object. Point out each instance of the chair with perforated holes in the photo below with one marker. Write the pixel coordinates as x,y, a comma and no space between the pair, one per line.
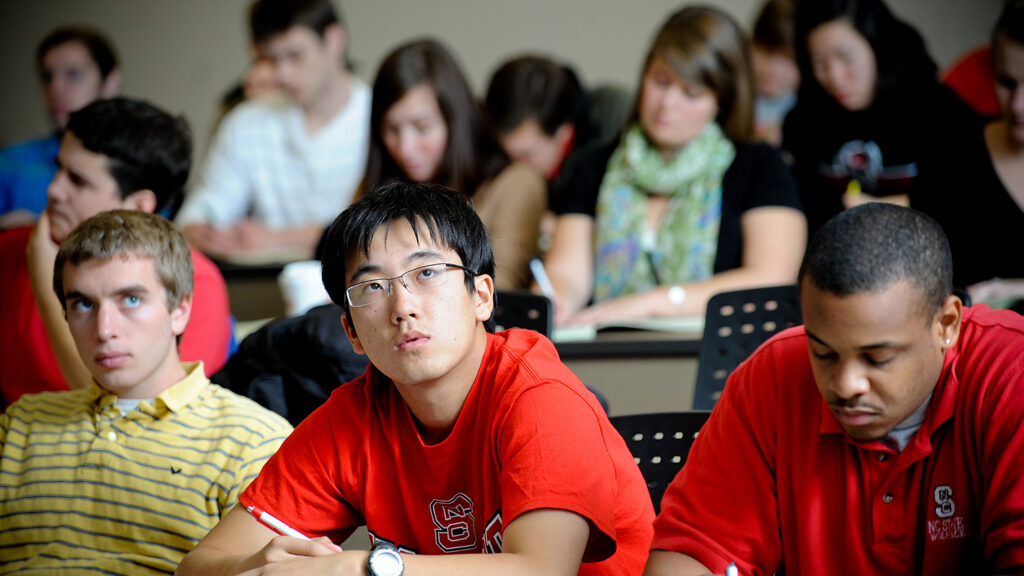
523,309
660,443
736,324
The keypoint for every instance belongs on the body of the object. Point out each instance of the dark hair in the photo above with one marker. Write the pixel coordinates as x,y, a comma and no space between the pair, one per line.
706,47
119,233
472,155
1010,24
900,52
534,88
873,246
146,148
445,214
775,27
100,49
272,17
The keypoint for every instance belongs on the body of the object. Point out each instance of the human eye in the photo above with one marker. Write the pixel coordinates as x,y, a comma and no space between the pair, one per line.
371,287
822,354
1006,82
80,305
878,360
131,301
430,274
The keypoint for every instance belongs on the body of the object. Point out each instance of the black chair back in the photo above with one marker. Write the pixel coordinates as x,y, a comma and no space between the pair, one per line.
736,324
660,443
523,309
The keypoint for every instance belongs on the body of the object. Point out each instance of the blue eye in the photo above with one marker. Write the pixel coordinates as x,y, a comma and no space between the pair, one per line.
81,305
132,301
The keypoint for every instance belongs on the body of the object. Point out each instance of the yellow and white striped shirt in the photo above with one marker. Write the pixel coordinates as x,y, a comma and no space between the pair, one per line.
85,489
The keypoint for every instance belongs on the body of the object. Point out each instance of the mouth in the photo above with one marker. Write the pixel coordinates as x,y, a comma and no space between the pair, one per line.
854,417
111,359
411,341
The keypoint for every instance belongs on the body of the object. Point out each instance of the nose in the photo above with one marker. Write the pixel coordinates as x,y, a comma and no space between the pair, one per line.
404,304
406,144
106,323
849,380
1017,100
57,190
833,76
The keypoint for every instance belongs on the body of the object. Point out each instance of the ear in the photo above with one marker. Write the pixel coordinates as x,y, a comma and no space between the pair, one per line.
564,133
180,315
350,331
484,296
947,321
111,84
336,40
142,200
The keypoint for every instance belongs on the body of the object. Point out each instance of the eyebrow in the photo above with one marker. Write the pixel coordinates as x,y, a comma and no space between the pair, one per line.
875,346
133,290
416,257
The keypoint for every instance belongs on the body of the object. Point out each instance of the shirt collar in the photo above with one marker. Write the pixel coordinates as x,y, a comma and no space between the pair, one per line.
172,399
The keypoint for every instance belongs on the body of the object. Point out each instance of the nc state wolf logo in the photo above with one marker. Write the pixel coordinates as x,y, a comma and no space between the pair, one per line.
456,526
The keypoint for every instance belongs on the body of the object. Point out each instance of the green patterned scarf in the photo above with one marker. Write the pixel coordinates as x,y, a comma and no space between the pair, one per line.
687,239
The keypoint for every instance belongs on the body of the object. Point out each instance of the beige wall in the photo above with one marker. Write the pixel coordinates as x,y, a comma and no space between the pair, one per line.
182,54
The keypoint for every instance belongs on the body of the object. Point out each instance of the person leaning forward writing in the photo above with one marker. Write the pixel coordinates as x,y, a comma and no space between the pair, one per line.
460,450
882,437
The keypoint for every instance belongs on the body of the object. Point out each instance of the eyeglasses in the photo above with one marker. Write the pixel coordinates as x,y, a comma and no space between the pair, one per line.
419,279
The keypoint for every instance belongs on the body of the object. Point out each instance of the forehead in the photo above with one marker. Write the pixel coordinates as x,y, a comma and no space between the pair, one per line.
528,132
1008,56
835,33
74,154
292,39
397,244
105,276
888,314
68,54
417,101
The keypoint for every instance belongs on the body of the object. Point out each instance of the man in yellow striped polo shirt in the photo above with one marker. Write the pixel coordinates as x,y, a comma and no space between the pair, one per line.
126,476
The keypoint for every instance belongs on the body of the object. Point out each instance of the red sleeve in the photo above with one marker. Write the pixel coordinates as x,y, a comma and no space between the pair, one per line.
722,506
303,483
551,428
209,329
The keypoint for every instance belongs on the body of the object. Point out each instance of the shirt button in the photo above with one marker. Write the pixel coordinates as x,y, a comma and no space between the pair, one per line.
887,498
112,436
882,456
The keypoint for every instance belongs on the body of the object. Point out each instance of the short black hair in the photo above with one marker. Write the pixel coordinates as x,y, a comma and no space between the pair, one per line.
146,148
873,246
447,215
537,88
100,49
272,17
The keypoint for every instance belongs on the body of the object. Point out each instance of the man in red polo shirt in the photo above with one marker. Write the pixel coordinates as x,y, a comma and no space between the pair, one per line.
883,437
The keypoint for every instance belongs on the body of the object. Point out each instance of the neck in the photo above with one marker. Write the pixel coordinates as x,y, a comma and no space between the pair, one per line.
436,405
331,100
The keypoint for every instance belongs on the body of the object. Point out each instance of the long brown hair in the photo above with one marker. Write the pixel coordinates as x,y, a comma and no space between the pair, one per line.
472,154
706,47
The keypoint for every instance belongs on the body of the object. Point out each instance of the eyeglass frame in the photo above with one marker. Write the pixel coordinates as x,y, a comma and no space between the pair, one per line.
391,286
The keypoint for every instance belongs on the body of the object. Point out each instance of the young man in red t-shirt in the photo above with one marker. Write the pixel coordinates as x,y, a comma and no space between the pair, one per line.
882,437
461,451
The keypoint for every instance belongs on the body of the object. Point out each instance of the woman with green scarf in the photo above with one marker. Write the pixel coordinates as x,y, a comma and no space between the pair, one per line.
683,205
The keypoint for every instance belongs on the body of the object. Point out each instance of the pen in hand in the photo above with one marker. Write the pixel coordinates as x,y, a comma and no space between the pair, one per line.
268,520
731,570
541,276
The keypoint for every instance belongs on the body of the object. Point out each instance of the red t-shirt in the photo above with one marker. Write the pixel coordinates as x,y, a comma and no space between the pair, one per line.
773,481
25,352
973,78
529,436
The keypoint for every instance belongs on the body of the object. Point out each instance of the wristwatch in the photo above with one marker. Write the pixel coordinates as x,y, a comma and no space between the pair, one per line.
385,560
677,295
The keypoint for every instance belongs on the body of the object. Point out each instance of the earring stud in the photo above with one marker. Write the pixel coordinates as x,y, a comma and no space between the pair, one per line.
948,341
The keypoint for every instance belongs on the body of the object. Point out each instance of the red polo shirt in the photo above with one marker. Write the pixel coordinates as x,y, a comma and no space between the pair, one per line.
774,482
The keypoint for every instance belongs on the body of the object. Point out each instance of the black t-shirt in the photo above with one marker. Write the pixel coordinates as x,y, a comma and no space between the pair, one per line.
757,177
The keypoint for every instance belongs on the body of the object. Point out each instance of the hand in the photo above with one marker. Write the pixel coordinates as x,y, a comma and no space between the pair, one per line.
285,555
622,308
251,235
212,241
40,253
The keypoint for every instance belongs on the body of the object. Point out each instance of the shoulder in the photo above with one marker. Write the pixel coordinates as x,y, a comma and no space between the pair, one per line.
257,115
49,408
31,150
232,409
521,176
758,176
204,268
525,358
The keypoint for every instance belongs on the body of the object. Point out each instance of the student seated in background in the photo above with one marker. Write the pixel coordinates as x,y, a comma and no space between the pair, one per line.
116,153
882,437
461,451
125,476
542,116
683,205
76,66
776,75
428,127
871,122
985,227
278,171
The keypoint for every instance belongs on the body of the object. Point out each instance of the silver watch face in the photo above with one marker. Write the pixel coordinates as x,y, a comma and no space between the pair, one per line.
386,562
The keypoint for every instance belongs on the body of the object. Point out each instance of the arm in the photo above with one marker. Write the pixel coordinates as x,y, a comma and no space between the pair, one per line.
664,563
570,264
512,209
774,238
41,254
251,236
540,542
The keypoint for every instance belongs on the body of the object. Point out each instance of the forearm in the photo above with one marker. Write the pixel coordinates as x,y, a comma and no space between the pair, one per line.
70,363
663,563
